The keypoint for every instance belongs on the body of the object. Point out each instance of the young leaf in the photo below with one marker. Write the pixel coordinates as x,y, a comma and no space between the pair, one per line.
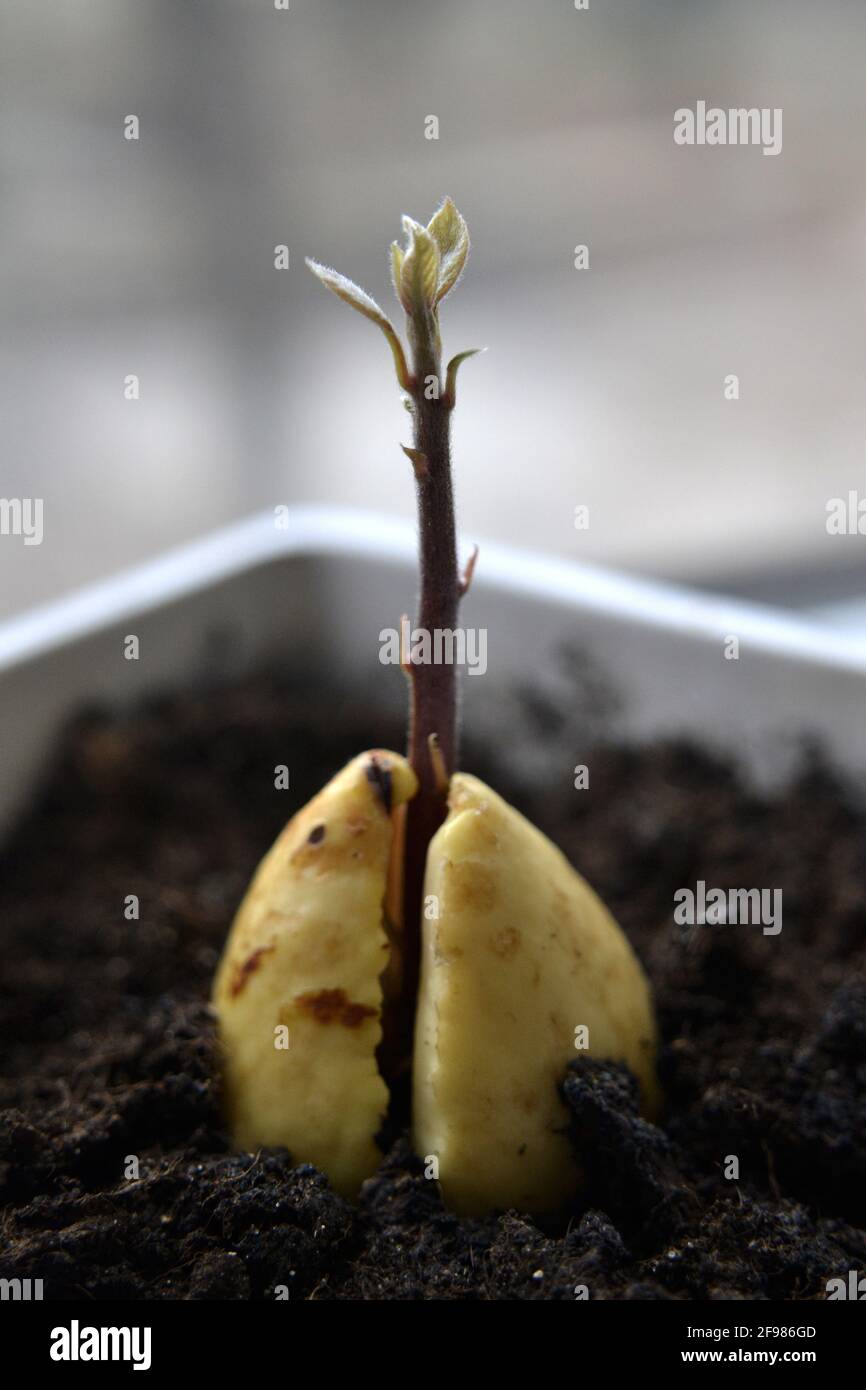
397,258
451,235
451,375
351,293
420,273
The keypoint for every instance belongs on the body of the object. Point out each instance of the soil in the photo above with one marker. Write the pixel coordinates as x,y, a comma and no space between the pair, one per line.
110,1055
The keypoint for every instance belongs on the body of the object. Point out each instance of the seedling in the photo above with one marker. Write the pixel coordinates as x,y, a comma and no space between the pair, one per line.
408,923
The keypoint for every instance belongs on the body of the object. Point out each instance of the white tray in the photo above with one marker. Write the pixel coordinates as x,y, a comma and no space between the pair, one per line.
315,596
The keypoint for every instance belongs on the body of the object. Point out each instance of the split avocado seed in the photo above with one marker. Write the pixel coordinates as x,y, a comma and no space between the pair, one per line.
518,958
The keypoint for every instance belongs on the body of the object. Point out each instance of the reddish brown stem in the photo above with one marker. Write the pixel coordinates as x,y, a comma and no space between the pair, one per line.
433,698
433,687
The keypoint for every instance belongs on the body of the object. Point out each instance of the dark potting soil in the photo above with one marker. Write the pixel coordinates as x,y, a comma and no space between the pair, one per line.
109,1053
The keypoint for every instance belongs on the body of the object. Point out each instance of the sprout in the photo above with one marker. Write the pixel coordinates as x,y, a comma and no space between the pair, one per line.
408,921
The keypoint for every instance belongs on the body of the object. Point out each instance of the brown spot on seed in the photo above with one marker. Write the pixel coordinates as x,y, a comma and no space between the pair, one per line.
244,971
471,887
333,1006
316,835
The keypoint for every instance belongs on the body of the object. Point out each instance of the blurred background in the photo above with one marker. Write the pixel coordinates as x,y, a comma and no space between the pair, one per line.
602,387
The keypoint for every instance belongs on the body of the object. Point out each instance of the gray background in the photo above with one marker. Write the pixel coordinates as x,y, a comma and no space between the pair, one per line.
602,387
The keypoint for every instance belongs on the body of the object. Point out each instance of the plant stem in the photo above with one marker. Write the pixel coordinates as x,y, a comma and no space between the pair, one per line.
433,687
433,698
